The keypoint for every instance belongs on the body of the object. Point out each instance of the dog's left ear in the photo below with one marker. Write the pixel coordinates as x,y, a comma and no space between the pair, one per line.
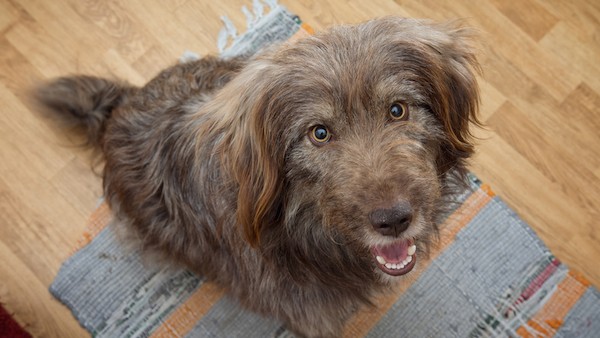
460,108
455,94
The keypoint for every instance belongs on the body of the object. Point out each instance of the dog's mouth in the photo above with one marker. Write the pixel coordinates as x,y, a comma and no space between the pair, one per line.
397,258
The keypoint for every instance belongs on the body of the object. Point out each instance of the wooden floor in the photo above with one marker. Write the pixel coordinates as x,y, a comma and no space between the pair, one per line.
540,92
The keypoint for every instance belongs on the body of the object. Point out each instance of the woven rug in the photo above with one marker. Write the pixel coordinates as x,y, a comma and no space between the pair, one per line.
491,275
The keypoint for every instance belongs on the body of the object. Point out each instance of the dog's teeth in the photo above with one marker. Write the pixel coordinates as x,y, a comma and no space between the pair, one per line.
412,249
394,266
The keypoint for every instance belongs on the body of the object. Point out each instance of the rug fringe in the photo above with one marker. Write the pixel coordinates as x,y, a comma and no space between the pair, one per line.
228,35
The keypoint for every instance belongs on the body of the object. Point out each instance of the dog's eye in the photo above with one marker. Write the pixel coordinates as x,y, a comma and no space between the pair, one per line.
399,111
320,135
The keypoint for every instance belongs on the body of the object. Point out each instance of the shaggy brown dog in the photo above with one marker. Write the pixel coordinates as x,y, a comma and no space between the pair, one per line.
301,180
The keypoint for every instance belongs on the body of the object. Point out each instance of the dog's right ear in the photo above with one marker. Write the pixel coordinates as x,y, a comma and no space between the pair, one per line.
255,155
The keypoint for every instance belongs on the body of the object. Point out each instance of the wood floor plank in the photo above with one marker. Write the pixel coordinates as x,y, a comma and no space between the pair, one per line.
550,116
79,183
544,152
175,34
582,16
17,73
24,135
529,15
491,99
8,15
21,227
581,53
31,303
112,18
44,52
382,9
509,41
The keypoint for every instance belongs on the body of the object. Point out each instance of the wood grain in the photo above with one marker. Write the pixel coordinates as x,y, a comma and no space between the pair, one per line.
540,100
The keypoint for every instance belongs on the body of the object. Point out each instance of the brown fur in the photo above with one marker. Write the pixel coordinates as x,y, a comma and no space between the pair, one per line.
211,164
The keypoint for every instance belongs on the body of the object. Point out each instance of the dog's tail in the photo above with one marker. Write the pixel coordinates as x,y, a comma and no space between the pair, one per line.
83,102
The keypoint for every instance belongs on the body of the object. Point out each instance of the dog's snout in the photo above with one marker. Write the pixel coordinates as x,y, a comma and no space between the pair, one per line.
392,221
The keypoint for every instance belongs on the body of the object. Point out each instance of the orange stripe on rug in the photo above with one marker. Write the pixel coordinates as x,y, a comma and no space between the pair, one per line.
304,32
99,219
308,28
183,320
365,320
547,321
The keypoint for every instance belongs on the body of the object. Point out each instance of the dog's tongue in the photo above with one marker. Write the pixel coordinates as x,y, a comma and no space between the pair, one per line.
393,253
395,259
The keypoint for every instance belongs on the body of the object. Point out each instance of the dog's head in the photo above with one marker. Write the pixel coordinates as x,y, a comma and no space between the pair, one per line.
343,142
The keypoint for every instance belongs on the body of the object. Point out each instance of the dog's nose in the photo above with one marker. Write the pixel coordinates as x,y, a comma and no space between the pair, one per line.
392,221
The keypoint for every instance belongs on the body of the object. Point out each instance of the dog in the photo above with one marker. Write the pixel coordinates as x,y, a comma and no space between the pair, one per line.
305,180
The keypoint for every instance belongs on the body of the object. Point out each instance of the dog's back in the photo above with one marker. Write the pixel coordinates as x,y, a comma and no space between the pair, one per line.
146,137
